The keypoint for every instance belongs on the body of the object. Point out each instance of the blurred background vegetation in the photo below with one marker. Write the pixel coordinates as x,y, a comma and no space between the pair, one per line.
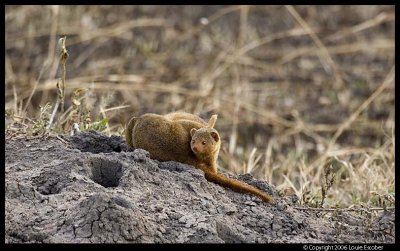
305,94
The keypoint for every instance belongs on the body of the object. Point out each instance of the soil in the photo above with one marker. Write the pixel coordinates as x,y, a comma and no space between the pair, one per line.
90,188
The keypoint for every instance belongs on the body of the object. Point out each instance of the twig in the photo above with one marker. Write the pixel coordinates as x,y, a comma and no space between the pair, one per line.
58,137
380,18
53,114
63,59
343,209
116,108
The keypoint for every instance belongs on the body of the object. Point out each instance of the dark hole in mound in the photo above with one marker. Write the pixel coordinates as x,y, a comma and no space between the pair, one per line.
52,182
106,172
51,187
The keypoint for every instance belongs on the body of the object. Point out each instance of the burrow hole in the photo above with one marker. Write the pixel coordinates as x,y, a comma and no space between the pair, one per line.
106,172
52,181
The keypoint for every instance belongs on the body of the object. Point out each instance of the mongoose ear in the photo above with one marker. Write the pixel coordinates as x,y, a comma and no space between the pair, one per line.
215,136
212,120
193,131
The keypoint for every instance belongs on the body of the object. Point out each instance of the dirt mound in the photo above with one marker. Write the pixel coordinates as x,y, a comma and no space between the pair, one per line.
91,188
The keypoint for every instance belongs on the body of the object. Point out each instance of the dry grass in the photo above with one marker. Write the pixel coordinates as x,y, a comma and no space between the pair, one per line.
305,94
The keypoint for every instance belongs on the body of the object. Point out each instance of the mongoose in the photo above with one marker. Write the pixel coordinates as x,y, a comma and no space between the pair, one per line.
185,138
166,137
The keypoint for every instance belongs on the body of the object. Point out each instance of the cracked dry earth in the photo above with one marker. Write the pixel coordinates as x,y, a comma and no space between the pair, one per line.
92,188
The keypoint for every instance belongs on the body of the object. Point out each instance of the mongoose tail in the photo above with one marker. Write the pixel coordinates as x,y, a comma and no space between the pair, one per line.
236,185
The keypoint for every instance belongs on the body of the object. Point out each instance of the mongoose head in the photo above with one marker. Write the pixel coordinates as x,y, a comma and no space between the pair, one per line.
205,142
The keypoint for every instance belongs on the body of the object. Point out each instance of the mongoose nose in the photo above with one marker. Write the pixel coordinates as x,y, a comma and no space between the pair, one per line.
194,149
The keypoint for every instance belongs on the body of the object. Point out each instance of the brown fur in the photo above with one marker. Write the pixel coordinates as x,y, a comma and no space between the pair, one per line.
176,116
164,138
235,185
205,144
185,138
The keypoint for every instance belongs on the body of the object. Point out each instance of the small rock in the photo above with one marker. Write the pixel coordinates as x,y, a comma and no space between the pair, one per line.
313,235
250,203
276,226
281,206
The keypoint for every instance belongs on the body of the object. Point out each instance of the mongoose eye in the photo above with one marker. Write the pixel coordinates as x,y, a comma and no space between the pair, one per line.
204,143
